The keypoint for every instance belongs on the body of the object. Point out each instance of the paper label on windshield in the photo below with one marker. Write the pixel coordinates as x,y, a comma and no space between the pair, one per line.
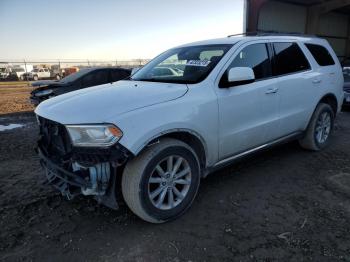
198,63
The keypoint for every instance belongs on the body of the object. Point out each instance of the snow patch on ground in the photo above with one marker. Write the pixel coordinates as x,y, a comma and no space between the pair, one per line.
9,127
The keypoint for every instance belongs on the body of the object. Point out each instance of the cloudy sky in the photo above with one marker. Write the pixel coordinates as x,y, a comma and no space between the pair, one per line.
110,29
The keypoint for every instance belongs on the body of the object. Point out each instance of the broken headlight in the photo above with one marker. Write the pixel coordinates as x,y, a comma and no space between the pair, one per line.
94,135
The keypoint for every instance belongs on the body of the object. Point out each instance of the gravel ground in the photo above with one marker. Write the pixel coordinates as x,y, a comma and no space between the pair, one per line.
284,204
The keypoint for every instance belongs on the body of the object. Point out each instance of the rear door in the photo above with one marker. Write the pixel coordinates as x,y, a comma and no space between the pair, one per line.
296,85
41,73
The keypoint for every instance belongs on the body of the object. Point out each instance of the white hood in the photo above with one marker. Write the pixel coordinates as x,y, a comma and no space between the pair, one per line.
102,103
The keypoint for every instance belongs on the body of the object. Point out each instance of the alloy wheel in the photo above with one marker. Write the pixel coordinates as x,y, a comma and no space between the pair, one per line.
169,182
323,127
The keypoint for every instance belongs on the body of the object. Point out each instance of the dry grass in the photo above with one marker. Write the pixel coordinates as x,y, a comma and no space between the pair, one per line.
15,98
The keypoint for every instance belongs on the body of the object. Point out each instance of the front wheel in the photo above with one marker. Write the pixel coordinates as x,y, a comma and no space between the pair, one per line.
161,183
35,78
319,129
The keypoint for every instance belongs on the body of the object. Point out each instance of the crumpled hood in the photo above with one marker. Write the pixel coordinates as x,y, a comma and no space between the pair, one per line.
44,83
99,104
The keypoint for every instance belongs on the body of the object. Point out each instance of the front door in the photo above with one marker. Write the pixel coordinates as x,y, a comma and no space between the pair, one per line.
248,114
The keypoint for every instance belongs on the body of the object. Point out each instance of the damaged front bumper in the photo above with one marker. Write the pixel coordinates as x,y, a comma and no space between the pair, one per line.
80,171
98,180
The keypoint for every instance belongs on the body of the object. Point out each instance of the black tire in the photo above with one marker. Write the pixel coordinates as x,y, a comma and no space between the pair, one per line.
35,78
137,174
310,141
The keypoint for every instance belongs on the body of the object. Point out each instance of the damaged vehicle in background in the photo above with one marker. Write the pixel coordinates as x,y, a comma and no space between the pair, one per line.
84,78
152,138
346,73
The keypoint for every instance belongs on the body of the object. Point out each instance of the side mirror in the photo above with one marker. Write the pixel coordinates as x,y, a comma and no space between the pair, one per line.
239,76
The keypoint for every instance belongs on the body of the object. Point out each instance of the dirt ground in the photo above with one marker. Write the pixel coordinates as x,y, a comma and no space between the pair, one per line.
285,204
14,97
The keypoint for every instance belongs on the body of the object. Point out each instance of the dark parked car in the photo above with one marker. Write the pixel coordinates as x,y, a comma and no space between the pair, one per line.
84,78
346,73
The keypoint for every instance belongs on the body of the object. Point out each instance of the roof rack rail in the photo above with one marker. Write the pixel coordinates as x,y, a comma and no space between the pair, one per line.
272,33
246,33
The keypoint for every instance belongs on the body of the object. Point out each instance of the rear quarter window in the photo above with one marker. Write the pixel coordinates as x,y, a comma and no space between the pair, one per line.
321,54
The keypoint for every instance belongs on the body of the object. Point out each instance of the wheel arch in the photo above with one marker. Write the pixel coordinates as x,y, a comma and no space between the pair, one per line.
331,100
191,138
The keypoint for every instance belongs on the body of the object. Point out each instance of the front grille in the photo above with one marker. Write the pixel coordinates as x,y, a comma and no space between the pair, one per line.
54,139
56,145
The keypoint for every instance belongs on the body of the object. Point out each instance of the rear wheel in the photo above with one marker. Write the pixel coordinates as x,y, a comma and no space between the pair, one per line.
161,183
319,129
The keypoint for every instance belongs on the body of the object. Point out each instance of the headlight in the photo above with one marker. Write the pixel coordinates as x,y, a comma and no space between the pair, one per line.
44,92
94,135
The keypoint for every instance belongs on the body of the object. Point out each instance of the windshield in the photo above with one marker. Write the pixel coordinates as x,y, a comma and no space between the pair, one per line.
2,70
75,76
186,65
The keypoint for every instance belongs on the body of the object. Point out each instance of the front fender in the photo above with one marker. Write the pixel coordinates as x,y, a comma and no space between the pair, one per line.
198,118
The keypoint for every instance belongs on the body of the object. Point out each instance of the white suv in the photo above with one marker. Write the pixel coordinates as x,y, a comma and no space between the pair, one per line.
151,139
38,73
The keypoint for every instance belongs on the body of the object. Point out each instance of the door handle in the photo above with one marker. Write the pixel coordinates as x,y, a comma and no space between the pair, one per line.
316,81
271,91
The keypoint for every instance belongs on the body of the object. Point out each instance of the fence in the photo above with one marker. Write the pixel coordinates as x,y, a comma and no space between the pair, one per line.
8,66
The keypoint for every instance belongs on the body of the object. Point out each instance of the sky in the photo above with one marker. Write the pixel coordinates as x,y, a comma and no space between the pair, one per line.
110,29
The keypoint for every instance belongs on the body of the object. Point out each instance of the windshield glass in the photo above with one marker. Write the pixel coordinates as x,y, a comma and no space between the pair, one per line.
186,65
75,76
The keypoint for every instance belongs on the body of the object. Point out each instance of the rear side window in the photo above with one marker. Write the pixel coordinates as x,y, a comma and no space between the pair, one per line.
118,74
95,78
289,59
321,54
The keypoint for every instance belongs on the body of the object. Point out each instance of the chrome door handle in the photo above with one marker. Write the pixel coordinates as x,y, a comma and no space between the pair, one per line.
271,91
316,81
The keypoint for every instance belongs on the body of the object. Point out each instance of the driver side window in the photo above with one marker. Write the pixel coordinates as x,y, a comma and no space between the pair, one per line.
254,56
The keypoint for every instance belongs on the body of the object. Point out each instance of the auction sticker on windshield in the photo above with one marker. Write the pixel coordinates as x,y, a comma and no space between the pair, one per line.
198,62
